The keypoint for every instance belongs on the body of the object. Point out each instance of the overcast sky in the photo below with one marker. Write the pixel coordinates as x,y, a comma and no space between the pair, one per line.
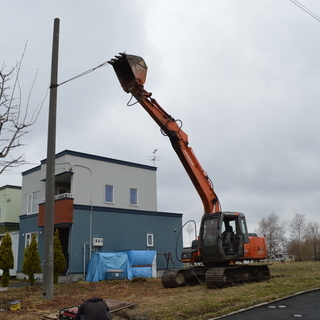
243,76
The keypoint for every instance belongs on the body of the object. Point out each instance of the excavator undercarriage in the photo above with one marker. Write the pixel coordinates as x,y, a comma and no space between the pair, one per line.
215,277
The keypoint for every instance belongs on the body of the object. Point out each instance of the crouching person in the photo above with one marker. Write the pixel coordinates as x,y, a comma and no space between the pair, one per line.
93,309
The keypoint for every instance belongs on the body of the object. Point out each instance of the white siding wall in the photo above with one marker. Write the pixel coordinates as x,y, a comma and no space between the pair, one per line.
62,165
31,183
89,179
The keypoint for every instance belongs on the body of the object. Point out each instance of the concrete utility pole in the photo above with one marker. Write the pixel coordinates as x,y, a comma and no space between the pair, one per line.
47,288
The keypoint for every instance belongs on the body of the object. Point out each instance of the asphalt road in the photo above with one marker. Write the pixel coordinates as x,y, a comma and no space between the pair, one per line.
305,305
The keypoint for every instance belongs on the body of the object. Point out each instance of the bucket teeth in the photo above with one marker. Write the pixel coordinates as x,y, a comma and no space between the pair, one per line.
113,61
117,58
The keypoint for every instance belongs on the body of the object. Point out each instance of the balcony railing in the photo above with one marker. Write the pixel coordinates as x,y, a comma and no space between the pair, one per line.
62,196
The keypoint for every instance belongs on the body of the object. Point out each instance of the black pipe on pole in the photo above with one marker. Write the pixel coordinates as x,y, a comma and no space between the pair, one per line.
47,288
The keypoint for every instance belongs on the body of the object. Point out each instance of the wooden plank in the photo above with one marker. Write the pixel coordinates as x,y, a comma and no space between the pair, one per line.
115,305
51,316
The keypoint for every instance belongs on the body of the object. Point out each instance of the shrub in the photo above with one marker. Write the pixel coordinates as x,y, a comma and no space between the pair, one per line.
6,259
31,261
59,262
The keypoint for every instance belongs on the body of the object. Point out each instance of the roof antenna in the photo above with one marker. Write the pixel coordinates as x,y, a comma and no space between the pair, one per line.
154,158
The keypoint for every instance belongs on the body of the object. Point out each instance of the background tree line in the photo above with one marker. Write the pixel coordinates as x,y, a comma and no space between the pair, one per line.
298,237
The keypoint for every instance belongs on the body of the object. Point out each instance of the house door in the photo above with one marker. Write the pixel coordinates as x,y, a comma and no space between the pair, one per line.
64,239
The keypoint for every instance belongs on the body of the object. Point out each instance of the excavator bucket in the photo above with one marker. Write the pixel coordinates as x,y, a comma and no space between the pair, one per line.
131,71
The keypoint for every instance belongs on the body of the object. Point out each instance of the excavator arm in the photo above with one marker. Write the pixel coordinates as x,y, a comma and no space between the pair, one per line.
131,71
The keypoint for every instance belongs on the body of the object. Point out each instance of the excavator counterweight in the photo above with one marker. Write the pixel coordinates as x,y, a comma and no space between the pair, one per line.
131,71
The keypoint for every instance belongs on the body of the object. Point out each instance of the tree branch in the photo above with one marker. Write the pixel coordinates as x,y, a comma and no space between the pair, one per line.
14,114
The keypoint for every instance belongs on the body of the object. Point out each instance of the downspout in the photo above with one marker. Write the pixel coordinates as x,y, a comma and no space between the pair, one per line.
84,261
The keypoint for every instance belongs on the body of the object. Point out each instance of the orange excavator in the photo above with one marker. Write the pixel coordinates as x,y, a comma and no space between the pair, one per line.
223,246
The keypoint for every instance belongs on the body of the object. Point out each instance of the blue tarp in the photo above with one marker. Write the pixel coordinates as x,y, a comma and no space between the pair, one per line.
133,263
141,262
103,261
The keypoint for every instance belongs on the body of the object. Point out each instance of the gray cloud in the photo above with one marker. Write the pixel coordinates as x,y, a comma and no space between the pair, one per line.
243,77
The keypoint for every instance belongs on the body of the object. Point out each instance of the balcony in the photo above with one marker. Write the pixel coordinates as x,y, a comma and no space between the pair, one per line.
63,196
63,210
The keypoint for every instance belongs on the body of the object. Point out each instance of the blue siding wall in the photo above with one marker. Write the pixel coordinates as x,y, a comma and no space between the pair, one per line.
123,230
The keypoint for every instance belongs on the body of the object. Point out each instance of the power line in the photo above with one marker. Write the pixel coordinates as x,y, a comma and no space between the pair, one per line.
302,7
83,73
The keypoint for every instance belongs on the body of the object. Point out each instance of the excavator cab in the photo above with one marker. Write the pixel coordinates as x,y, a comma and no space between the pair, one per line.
222,236
131,71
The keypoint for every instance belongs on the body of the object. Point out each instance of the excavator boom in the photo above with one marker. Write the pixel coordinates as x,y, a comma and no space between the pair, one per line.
132,71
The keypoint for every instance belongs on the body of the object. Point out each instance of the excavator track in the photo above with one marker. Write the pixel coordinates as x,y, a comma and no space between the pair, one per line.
220,277
172,278
216,277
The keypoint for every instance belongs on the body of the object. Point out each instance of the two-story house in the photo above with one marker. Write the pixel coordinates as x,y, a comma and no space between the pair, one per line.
10,202
101,204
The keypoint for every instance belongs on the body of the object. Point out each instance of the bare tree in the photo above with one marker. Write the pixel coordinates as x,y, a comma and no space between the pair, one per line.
15,116
312,239
297,228
273,230
189,229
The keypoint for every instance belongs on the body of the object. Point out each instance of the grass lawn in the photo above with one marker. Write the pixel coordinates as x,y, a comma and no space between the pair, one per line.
155,302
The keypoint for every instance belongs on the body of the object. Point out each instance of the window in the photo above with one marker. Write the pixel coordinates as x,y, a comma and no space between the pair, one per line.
149,240
133,197
210,227
244,230
108,194
0,213
33,202
29,238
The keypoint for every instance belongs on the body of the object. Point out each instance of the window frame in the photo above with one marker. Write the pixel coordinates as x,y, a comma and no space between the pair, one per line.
135,196
150,240
32,206
105,194
28,236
